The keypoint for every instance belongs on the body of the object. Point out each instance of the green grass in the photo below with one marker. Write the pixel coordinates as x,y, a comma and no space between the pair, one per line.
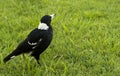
86,38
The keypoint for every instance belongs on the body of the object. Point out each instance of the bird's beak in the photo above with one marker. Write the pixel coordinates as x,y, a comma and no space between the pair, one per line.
52,16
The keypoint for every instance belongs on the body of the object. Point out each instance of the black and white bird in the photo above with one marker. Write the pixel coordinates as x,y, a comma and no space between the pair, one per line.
37,41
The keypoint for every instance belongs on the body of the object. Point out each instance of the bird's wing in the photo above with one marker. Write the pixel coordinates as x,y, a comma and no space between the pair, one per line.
35,37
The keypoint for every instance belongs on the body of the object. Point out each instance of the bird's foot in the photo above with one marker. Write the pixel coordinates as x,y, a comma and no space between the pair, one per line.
38,63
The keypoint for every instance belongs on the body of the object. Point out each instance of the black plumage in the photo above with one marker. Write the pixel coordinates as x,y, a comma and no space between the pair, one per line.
37,41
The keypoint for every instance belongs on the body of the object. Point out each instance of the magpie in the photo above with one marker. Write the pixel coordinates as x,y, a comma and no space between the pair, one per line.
37,41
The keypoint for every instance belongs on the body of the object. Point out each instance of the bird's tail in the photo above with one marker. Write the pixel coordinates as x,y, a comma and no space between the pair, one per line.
7,58
11,55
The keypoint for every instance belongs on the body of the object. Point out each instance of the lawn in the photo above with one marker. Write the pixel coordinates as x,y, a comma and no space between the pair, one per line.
86,38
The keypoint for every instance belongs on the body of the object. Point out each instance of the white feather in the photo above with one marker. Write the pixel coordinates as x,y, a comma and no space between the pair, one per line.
40,40
32,43
12,57
43,26
34,47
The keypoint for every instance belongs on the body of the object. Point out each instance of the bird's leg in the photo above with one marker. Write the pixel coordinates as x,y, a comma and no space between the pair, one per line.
24,58
36,56
38,63
37,59
23,55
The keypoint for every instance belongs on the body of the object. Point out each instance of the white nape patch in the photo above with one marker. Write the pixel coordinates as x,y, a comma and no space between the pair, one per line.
12,57
43,26
32,43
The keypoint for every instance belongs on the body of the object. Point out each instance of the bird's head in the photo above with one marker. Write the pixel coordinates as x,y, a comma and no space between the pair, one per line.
45,22
47,19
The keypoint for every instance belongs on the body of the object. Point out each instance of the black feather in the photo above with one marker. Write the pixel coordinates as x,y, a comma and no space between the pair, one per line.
36,42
